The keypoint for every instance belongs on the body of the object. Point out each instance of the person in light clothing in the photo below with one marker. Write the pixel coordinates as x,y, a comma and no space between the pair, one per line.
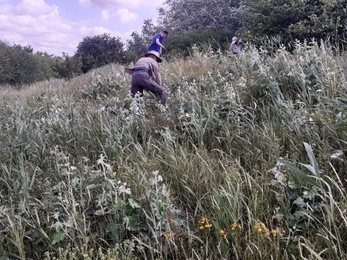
236,45
146,76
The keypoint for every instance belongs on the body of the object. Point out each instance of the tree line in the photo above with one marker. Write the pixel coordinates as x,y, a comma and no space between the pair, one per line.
212,22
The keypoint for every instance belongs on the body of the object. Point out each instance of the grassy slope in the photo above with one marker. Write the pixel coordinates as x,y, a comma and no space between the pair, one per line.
247,160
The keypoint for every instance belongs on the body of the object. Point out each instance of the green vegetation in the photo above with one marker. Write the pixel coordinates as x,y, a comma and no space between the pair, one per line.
246,162
297,20
18,65
100,50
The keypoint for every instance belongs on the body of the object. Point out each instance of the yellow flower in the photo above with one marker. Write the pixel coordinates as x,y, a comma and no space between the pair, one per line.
277,231
235,227
114,174
208,226
85,255
261,229
223,233
204,223
167,234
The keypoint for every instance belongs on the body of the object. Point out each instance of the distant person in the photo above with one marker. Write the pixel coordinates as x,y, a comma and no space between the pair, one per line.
236,45
157,42
146,76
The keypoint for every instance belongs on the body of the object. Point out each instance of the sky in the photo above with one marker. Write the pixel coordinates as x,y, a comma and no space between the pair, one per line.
57,26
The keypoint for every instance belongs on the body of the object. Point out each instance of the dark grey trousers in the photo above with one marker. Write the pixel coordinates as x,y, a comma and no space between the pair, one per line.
141,80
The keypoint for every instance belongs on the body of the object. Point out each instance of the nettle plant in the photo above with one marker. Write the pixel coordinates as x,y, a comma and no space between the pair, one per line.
305,200
139,220
152,216
101,88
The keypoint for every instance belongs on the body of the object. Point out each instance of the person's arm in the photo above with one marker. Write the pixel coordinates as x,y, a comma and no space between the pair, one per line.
161,45
130,71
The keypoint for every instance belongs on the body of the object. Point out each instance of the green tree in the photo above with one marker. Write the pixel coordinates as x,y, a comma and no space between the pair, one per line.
297,19
46,65
138,45
149,30
17,65
68,67
321,20
181,44
100,50
5,63
181,16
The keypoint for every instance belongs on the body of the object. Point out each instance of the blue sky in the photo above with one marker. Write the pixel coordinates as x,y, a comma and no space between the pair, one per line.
57,26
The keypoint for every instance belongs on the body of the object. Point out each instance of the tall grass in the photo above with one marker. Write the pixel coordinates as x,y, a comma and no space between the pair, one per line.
246,161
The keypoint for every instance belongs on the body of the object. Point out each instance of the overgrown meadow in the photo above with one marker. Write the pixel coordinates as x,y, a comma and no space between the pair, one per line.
247,161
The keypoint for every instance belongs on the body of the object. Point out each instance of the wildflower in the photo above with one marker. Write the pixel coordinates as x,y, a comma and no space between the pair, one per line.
123,189
261,229
85,255
235,228
223,233
156,179
114,174
167,234
277,231
204,223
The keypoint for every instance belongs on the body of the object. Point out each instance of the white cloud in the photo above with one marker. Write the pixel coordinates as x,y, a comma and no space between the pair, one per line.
92,31
33,7
111,3
40,25
5,9
122,15
154,3
85,3
125,16
37,24
105,15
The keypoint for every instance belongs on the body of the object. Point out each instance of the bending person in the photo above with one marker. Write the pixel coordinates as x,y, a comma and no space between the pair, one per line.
236,45
146,76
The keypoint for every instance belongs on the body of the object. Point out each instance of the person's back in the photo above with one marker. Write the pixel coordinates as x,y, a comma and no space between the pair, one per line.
236,45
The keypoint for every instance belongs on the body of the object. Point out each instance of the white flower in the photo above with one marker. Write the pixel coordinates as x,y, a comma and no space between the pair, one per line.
157,178
336,155
123,189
